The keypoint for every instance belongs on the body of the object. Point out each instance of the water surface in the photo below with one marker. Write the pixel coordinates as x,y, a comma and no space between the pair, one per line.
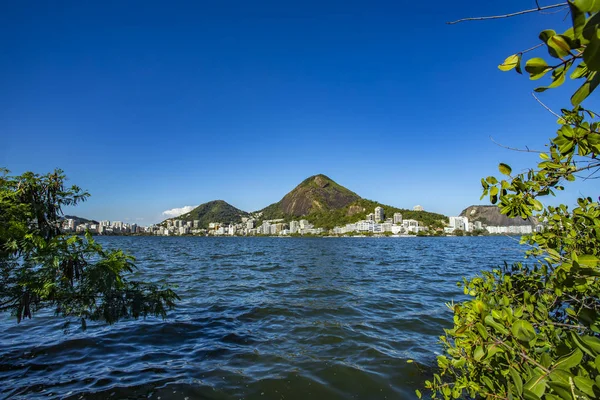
260,318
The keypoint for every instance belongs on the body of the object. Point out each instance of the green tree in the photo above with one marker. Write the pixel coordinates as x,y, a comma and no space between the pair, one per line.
532,330
40,267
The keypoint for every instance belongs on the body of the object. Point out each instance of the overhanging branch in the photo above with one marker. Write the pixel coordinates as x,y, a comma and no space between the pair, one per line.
538,9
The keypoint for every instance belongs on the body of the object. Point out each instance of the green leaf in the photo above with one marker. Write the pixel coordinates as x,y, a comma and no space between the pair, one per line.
537,205
510,62
578,19
517,380
580,71
592,342
560,45
562,389
478,353
536,67
536,384
482,331
591,27
529,395
504,169
589,260
559,375
523,330
586,89
591,54
489,321
585,385
570,360
588,6
557,80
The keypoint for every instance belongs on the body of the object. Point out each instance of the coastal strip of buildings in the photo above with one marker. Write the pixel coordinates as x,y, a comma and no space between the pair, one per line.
375,223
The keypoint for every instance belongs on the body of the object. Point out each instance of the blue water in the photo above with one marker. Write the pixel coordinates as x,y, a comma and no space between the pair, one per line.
260,318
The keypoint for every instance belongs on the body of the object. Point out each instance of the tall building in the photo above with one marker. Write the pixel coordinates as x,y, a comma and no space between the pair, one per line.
379,214
294,226
397,218
304,224
371,217
461,223
266,228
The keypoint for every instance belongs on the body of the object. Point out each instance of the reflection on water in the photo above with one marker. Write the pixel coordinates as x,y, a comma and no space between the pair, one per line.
264,318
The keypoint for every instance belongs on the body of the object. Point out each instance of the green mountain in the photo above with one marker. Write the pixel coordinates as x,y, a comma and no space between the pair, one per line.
214,211
316,194
327,204
359,209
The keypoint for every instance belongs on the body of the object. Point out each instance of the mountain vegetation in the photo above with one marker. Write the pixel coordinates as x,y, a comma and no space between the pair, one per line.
531,330
327,204
214,211
43,268
317,193
359,209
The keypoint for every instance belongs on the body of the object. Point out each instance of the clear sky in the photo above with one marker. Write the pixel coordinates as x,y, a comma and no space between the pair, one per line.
158,105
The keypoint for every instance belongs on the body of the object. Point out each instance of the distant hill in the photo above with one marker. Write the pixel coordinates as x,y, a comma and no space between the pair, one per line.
359,209
214,211
326,204
80,220
490,215
317,193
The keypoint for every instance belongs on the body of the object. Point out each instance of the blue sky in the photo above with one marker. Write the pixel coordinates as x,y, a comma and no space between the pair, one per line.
157,105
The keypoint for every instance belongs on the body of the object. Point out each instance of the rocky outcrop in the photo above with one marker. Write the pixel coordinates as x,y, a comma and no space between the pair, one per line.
491,216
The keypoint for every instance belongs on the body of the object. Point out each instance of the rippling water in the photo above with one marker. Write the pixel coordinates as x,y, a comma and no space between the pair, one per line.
268,318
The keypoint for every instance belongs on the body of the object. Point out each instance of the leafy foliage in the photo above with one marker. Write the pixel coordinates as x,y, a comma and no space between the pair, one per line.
40,267
533,331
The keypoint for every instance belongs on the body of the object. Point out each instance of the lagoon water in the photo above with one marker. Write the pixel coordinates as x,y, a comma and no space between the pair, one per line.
260,318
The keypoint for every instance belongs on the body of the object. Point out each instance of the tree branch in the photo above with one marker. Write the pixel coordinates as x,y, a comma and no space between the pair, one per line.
527,150
538,9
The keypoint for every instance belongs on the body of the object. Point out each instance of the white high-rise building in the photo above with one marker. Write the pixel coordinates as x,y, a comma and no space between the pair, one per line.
461,223
397,218
294,226
379,214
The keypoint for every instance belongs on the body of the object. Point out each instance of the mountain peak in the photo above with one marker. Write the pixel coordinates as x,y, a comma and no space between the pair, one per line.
319,180
315,193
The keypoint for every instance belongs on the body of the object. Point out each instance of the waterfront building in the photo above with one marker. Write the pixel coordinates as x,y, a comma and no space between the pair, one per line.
265,228
397,218
294,226
304,224
379,214
461,223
